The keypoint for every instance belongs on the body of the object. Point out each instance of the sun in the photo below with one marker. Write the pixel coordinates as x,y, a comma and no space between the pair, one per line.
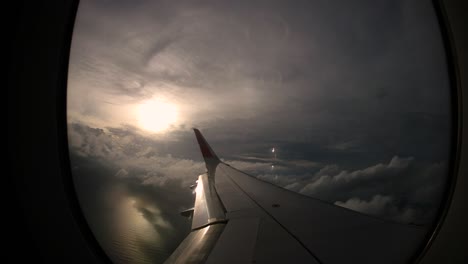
156,115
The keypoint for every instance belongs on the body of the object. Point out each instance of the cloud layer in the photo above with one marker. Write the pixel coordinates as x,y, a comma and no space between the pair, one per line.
402,189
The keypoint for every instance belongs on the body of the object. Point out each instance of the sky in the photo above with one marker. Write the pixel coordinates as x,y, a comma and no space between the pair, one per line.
353,97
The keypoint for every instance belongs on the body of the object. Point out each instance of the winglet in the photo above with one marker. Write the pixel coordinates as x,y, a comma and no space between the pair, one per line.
208,154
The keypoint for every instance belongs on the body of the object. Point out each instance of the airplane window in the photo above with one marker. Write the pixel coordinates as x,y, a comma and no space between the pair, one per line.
346,103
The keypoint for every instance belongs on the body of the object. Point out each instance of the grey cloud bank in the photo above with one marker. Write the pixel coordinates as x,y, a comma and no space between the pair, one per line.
409,188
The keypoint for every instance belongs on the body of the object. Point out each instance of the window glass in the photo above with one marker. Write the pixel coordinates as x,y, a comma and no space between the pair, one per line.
344,102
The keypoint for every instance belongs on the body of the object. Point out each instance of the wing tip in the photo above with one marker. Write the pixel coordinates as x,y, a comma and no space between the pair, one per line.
205,148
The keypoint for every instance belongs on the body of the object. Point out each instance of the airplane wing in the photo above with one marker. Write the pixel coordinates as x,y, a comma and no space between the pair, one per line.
238,218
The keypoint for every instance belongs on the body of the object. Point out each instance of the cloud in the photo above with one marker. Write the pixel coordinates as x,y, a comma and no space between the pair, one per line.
324,182
136,155
415,187
374,207
386,207
121,173
264,65
115,167
401,189
343,145
339,107
122,210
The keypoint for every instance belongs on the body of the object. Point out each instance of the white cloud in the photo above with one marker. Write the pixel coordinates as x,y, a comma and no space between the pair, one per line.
374,207
132,156
157,170
386,207
329,177
121,173
400,163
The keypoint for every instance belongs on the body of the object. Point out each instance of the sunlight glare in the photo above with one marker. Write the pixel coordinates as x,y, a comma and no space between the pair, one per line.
156,115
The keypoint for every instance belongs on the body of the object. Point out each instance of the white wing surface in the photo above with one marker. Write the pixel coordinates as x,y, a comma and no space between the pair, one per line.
238,218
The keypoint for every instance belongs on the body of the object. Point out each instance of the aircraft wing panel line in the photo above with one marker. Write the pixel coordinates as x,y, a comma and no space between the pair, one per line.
326,228
271,216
